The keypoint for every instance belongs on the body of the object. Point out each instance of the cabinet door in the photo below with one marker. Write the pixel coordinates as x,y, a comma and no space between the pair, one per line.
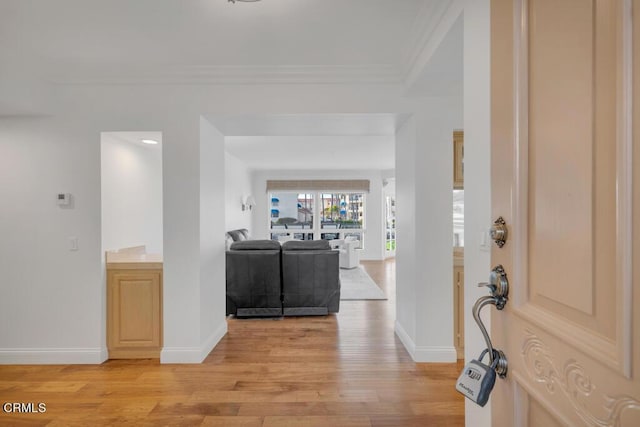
134,310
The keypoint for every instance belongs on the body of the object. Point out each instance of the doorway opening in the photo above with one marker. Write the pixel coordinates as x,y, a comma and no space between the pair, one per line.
390,218
308,152
132,243
131,190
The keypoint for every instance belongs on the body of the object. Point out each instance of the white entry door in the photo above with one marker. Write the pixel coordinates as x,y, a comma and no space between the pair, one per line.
565,132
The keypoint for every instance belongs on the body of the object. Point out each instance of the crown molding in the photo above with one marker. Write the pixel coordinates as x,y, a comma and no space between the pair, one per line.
423,26
438,20
212,75
429,28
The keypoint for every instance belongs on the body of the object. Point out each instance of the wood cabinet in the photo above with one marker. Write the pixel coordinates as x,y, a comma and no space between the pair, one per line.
134,306
458,306
458,160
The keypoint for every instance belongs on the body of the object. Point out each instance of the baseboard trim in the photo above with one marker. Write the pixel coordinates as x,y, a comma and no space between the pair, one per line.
371,258
425,354
180,355
52,356
406,340
213,340
193,354
435,354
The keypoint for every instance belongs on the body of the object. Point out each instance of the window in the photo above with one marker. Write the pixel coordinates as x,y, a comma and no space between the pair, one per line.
291,211
340,216
390,224
341,211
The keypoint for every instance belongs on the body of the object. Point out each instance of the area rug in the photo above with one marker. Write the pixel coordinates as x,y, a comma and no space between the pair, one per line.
356,284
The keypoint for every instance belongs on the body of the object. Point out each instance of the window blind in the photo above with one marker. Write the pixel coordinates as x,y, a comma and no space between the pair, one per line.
327,185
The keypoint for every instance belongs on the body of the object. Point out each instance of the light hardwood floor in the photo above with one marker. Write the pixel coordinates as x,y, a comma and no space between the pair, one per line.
342,370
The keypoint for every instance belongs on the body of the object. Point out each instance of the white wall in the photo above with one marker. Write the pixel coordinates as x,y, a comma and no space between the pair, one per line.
424,255
131,193
182,238
238,185
374,238
213,324
193,281
406,266
477,184
51,309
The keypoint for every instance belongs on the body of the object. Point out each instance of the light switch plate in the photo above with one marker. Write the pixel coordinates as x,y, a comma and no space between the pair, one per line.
485,241
73,243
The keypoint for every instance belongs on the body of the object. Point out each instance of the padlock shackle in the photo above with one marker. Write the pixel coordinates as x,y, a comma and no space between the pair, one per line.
496,357
481,302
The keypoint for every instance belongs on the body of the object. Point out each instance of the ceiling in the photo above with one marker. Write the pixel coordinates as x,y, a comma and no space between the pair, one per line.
312,141
136,138
308,124
314,152
217,42
443,74
72,41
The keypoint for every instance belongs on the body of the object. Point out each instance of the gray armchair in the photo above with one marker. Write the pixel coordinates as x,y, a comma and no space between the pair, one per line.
310,278
254,279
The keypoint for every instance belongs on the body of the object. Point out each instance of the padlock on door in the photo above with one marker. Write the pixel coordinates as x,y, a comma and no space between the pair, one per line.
477,379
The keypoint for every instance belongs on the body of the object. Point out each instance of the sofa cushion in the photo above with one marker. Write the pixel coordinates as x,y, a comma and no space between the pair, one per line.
306,245
255,245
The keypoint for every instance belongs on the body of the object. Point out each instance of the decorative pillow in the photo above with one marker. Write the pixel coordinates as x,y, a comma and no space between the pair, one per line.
306,245
237,235
228,241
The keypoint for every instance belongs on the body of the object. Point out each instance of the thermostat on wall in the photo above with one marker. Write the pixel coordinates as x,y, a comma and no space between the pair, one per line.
64,199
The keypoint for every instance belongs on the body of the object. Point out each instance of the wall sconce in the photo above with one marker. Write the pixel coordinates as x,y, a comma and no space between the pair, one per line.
248,202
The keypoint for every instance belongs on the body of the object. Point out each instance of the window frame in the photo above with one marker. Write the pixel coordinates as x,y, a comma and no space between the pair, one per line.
316,229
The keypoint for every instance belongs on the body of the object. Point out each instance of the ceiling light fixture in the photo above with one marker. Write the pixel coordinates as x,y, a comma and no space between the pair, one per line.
243,1
149,141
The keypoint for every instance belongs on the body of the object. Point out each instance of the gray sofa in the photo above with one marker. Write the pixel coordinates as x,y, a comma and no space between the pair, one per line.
310,278
254,284
300,279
